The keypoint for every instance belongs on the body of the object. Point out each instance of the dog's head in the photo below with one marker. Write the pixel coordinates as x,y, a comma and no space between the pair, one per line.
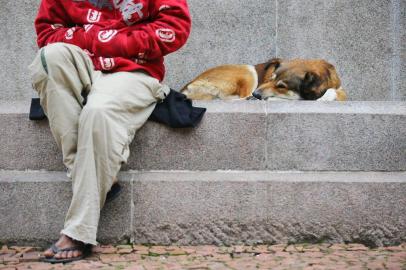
310,79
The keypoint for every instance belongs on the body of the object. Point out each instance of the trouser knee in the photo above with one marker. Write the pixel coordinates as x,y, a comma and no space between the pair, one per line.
56,54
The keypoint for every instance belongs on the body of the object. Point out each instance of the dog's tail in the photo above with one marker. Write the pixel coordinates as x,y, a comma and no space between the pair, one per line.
341,94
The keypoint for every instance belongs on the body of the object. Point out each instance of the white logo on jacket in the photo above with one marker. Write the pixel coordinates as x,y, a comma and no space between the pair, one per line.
87,27
93,16
107,63
69,33
106,35
128,8
166,35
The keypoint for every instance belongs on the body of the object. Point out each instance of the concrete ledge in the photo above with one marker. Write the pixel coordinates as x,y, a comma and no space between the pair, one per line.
190,208
240,135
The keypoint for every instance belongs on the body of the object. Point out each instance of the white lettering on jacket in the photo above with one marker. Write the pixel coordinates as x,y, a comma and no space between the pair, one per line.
87,27
69,33
106,35
166,35
93,16
107,63
128,8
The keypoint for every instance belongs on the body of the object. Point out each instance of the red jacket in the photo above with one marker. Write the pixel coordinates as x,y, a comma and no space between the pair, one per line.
119,35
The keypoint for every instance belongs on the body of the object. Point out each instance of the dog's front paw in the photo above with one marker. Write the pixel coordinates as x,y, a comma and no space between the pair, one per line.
251,98
330,95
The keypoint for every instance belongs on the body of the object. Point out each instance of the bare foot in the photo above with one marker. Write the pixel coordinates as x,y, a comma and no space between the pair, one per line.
65,242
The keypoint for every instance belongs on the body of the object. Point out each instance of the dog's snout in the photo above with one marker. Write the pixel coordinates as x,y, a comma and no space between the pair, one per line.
256,94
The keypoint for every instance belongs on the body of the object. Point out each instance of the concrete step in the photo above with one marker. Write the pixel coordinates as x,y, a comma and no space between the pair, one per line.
239,135
222,207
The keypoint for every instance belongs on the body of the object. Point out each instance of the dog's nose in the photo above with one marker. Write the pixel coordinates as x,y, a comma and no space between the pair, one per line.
257,95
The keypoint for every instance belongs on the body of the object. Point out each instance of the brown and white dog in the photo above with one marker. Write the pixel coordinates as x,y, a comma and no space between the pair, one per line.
275,79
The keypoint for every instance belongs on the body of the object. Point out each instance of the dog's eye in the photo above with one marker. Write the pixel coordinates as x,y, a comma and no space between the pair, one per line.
281,84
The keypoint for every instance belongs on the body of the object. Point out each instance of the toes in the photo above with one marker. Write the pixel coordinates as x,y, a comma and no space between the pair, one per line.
67,254
76,253
48,253
58,255
64,255
61,255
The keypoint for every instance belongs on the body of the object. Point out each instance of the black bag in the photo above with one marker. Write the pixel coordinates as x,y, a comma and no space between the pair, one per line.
177,111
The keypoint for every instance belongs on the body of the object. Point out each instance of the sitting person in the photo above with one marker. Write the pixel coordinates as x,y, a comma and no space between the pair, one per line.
98,74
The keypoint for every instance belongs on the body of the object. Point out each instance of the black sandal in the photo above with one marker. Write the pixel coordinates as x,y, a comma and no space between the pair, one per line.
85,249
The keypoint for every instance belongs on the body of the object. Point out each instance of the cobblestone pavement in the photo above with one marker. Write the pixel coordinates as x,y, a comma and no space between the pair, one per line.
128,257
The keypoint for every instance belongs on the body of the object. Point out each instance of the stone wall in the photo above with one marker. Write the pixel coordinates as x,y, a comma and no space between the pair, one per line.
364,39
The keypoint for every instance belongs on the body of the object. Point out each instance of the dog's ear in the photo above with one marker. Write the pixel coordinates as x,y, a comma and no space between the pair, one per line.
273,64
310,80
309,85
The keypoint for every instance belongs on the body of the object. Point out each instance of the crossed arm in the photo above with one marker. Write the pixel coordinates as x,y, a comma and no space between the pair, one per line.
166,30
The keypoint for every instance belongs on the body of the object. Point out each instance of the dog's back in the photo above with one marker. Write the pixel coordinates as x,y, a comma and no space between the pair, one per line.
223,82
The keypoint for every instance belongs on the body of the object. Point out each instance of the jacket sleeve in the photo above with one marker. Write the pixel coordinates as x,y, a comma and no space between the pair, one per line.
53,25
166,31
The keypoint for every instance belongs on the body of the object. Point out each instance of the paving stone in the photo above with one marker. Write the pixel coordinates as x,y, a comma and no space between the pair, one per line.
22,249
311,248
333,259
135,267
158,250
356,247
6,250
10,260
338,247
30,256
143,250
290,248
188,250
109,258
277,248
206,250
124,247
124,251
399,248
176,251
104,249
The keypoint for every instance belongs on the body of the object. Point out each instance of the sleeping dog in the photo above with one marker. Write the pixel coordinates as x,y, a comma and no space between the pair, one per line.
275,79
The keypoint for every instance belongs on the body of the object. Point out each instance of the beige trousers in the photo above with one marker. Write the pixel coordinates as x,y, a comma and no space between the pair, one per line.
94,138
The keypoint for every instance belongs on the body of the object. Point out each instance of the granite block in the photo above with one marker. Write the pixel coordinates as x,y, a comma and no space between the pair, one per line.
240,135
194,208
223,141
311,140
355,36
38,201
402,49
224,32
216,207
17,48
